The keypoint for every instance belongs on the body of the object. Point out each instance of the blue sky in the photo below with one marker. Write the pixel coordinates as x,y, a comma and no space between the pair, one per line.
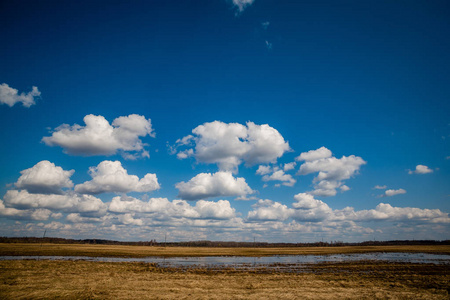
284,121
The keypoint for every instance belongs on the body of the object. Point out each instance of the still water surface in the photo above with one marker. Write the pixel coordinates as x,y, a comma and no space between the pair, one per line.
245,262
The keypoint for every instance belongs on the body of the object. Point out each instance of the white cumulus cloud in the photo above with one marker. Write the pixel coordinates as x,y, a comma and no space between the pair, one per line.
206,185
289,166
39,214
214,210
99,137
165,209
385,211
333,168
45,178
111,177
421,169
331,171
312,155
10,211
54,202
78,218
11,96
122,204
268,210
309,209
128,219
390,193
185,154
228,145
279,175
263,170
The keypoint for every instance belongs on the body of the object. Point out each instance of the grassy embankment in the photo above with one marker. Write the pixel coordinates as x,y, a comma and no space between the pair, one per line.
23,249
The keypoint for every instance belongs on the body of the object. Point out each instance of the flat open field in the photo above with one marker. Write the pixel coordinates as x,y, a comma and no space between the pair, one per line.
20,249
42,279
28,279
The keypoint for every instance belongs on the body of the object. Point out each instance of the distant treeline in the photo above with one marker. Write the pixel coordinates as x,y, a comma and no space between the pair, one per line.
53,240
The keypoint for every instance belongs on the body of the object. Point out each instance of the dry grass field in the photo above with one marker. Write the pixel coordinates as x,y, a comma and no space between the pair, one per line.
43,279
27,279
19,249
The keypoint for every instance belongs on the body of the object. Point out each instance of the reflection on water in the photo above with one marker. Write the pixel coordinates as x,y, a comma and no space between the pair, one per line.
246,262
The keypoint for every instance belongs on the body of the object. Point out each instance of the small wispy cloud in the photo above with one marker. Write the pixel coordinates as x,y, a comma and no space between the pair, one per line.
390,193
242,4
265,25
279,175
289,166
344,188
263,170
11,96
380,187
246,198
269,45
421,169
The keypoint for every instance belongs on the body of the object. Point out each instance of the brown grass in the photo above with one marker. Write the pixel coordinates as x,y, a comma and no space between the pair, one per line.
20,249
27,279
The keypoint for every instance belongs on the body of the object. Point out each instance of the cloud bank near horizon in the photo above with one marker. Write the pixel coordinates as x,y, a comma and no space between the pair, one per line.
69,208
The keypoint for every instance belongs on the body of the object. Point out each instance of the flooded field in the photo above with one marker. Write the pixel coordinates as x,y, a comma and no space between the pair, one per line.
81,279
63,271
245,262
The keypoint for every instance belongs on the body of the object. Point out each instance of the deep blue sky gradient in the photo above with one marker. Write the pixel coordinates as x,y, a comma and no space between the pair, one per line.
369,78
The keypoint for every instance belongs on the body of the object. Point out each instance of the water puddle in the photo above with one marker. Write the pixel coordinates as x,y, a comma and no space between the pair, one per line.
242,262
